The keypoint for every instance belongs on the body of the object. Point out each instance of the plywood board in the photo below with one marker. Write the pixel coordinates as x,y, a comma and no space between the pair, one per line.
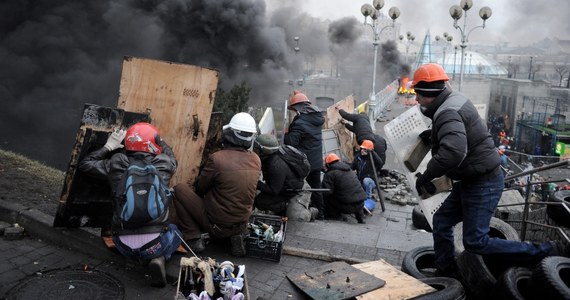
399,285
179,99
333,117
332,121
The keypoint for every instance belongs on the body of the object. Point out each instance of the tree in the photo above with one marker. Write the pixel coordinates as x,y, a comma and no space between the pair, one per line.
561,70
232,102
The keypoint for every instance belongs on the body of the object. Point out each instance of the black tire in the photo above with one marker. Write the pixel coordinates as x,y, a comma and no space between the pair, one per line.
447,289
557,212
419,219
514,284
551,277
477,278
419,262
497,228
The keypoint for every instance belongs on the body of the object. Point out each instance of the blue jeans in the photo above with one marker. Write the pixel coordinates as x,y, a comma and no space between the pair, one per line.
474,204
368,185
164,245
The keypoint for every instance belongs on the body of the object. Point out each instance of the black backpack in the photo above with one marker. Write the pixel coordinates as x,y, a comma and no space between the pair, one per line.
296,160
142,197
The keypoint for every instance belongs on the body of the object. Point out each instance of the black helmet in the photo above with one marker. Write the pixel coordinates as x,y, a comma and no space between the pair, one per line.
266,144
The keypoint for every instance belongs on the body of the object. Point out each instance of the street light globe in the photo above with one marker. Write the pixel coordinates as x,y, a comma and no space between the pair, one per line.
366,10
378,4
455,12
394,13
485,12
401,37
466,4
449,38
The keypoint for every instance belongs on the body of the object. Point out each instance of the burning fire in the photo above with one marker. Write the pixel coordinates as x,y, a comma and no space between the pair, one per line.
405,87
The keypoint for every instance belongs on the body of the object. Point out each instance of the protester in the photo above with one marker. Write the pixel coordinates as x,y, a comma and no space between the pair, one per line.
345,195
503,157
305,134
362,164
463,150
155,241
222,200
281,180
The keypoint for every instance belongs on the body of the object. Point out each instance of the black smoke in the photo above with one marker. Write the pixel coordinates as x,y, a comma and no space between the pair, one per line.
391,61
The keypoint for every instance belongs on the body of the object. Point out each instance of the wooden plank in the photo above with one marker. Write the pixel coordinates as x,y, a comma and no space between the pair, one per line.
399,285
332,121
179,99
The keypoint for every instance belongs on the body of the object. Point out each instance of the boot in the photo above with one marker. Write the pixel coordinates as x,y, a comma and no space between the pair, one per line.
314,212
197,245
359,217
157,270
237,245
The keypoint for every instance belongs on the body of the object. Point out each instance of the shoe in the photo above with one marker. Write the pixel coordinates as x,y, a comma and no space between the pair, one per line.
360,217
197,245
157,271
314,213
237,245
450,271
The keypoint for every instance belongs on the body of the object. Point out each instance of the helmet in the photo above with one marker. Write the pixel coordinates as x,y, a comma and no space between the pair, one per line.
330,158
429,73
367,144
266,144
297,97
242,122
142,137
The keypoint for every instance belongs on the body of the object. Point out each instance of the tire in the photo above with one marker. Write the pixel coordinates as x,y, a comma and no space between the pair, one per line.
551,277
447,289
477,278
419,219
557,212
419,262
514,284
497,228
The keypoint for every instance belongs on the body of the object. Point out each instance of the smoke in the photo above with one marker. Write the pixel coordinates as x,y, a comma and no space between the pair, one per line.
391,62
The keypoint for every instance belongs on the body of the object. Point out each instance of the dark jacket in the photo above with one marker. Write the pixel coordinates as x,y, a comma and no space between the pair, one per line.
343,184
360,126
462,148
363,166
278,177
305,134
228,183
380,147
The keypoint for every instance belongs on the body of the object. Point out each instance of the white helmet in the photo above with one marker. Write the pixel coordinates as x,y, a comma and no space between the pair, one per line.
243,122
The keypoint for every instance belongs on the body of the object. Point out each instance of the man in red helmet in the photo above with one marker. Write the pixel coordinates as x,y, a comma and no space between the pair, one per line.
463,150
362,164
305,134
157,242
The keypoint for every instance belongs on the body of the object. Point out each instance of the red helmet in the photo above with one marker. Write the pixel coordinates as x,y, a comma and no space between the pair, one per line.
142,137
429,73
297,97
331,157
367,144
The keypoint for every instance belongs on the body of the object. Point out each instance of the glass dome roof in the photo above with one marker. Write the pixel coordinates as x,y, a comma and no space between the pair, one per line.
475,63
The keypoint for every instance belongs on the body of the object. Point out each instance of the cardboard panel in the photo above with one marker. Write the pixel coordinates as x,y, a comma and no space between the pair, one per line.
332,121
179,99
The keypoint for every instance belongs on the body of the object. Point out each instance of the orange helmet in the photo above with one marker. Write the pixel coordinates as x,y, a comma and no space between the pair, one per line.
142,137
331,157
367,144
429,73
297,97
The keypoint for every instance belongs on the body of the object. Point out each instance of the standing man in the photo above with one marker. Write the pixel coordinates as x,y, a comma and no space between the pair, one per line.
222,200
305,134
463,150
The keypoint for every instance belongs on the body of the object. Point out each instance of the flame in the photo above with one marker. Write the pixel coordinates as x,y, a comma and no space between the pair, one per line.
405,87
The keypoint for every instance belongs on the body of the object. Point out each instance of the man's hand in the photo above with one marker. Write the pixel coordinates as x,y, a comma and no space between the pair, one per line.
424,185
115,139
426,136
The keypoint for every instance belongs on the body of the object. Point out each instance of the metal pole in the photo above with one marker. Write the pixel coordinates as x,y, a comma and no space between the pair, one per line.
372,101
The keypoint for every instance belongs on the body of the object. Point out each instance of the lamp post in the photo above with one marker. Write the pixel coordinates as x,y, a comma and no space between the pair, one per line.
456,12
447,41
373,11
409,40
454,61
530,69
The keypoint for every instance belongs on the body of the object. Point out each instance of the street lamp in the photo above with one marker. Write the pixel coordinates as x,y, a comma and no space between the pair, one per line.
373,11
530,69
448,38
456,12
409,40
454,61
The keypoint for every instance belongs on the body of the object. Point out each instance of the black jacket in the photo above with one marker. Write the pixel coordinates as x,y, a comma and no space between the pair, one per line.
360,126
462,148
305,134
363,166
343,184
278,177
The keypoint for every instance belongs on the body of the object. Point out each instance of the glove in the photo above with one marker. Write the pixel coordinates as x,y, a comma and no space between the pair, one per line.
115,139
424,185
426,136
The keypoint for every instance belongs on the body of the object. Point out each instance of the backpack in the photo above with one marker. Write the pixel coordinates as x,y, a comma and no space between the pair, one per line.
296,160
142,197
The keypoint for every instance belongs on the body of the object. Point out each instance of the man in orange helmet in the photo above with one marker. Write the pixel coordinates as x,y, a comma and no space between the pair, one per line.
362,164
305,134
463,150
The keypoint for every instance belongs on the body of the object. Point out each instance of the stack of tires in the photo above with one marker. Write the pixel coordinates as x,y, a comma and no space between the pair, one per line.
482,277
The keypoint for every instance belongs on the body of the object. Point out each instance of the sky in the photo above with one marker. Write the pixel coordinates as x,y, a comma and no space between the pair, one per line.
518,22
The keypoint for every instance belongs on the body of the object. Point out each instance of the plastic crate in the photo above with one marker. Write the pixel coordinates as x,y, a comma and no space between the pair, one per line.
257,247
